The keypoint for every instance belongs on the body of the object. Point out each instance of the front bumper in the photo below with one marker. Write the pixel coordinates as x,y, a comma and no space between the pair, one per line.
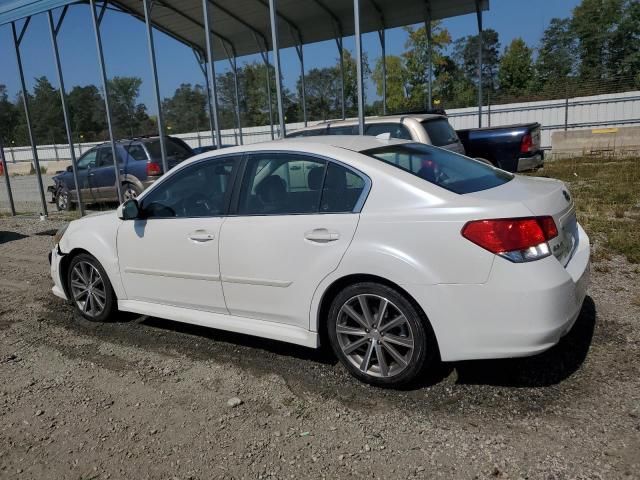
54,259
523,309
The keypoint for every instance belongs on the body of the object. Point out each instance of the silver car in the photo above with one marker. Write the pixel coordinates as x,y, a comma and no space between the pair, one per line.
429,129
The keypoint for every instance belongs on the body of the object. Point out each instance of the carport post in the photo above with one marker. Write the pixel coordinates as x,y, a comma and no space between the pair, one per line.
105,88
265,58
383,47
156,86
479,17
53,30
211,73
6,179
276,63
300,53
233,62
427,26
341,54
34,149
356,19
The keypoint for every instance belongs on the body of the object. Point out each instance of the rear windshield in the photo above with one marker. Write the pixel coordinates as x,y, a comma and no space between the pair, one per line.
451,171
440,132
175,148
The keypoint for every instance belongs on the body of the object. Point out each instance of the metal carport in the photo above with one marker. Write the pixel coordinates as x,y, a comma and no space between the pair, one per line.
223,29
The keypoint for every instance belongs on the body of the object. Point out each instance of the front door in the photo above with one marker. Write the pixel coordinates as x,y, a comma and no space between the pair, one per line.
85,165
103,176
287,235
170,255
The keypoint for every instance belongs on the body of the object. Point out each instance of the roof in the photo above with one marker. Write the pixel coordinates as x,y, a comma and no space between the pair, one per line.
243,25
369,120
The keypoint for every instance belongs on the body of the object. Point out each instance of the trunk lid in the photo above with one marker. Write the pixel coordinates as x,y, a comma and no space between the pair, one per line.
543,196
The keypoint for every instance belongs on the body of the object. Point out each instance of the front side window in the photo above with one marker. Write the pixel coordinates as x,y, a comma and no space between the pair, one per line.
396,130
346,130
199,190
88,160
451,171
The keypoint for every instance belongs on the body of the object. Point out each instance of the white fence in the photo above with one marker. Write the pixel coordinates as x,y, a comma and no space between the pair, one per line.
618,109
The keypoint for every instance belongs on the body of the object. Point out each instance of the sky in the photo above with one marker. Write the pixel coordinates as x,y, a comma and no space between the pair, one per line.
125,47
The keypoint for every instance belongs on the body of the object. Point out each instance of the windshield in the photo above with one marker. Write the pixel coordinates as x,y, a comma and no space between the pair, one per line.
451,171
175,148
440,132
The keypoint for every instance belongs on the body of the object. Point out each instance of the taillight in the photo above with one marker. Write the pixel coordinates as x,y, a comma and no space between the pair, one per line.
527,143
516,239
154,169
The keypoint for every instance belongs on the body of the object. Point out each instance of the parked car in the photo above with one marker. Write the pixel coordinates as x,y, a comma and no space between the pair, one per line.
140,165
514,148
396,253
430,129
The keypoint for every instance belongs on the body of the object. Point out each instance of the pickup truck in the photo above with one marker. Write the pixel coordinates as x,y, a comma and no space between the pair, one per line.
510,147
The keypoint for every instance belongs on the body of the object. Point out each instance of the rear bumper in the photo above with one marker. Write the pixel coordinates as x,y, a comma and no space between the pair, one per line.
530,163
523,309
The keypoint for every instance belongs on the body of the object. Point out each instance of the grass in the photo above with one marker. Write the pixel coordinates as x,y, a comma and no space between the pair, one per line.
607,196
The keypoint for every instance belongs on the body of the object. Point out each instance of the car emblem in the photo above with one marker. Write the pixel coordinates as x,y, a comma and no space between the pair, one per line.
566,195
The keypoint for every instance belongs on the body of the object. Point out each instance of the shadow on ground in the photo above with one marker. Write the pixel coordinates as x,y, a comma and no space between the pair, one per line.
548,368
6,237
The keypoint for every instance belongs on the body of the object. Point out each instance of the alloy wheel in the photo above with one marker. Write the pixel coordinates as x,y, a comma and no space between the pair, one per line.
375,335
62,200
88,289
130,194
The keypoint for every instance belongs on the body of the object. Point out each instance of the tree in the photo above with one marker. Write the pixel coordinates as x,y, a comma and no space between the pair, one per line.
8,116
466,57
515,71
86,111
624,52
557,53
186,111
416,59
129,118
397,95
322,93
592,22
46,113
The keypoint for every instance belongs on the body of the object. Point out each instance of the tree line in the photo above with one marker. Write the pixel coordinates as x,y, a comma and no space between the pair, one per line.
595,50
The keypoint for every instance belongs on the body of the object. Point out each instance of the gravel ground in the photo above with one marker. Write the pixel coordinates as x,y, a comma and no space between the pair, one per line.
147,398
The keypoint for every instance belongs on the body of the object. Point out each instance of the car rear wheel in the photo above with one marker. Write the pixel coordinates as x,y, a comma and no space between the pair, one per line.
379,335
130,191
90,289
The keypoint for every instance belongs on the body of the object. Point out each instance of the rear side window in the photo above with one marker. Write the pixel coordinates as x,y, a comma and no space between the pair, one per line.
176,149
440,132
136,152
453,172
349,130
396,130
290,183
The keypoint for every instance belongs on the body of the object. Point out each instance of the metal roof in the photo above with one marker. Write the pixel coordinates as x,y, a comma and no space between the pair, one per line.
243,25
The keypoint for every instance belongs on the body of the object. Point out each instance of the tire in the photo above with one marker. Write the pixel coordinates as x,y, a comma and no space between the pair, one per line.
130,191
98,303
405,341
63,200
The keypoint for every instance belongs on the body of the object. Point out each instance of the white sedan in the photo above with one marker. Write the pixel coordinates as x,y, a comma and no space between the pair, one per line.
398,254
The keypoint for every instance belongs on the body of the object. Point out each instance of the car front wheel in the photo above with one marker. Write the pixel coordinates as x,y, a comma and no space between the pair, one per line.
63,200
379,335
90,289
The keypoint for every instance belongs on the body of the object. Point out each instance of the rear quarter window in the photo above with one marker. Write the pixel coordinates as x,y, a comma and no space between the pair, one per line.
448,170
440,132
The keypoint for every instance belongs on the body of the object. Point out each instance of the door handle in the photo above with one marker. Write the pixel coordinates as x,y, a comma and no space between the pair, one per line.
91,174
321,235
201,236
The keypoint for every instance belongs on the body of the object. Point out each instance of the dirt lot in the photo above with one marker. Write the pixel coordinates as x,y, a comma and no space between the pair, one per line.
147,398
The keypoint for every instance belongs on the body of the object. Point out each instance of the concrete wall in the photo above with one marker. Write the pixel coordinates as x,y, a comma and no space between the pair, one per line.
597,141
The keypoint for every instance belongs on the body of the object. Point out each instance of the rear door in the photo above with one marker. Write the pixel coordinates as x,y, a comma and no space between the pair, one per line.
103,178
286,236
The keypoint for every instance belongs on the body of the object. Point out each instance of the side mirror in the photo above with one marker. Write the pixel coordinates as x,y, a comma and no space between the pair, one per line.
129,210
70,168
